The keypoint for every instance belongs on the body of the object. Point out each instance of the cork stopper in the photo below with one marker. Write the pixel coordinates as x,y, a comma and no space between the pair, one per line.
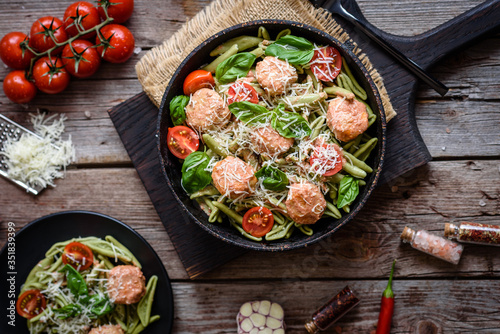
449,230
311,327
407,234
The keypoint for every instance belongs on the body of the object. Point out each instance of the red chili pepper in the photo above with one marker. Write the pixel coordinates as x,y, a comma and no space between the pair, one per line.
386,307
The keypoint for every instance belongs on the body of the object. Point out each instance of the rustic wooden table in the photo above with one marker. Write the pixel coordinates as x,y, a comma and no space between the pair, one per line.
462,183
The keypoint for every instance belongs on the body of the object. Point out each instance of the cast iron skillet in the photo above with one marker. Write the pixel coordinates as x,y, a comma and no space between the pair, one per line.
171,166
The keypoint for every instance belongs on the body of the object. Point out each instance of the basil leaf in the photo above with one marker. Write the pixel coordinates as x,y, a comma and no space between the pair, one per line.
99,305
68,311
348,191
177,105
234,67
250,113
274,179
296,50
289,124
194,175
75,281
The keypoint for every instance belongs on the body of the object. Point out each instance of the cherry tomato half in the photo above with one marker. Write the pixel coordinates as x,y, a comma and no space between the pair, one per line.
11,51
119,44
31,303
327,159
182,141
88,59
78,255
40,39
17,88
120,11
86,16
241,91
50,75
326,63
258,221
196,80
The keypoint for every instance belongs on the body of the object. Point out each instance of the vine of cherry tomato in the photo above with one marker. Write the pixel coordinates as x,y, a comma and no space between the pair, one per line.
88,33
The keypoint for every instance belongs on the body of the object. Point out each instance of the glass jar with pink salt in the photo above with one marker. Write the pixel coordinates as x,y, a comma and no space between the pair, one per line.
432,244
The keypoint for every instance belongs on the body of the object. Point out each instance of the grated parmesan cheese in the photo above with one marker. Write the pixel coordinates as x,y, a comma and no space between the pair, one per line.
36,161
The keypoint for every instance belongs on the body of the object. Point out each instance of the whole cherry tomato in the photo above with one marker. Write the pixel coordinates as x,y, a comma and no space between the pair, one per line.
12,52
120,11
117,45
258,221
182,141
31,303
196,80
40,38
83,14
85,62
50,76
326,63
17,88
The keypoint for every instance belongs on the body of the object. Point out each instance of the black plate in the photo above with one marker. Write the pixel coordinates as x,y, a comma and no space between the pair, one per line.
32,241
171,167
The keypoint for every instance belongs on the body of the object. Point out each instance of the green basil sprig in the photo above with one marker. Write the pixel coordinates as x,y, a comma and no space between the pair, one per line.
194,175
289,124
250,113
234,67
348,191
177,112
99,305
274,179
296,50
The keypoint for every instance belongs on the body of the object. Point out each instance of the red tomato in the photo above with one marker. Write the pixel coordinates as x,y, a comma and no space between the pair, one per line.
327,159
86,16
50,76
326,63
258,221
17,88
241,91
11,50
196,80
40,38
120,10
118,44
182,141
78,255
87,61
31,303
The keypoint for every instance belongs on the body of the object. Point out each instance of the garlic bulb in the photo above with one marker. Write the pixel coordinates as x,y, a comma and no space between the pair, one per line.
261,317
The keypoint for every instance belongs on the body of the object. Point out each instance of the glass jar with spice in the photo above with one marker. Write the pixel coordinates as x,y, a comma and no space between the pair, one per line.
474,233
332,311
434,245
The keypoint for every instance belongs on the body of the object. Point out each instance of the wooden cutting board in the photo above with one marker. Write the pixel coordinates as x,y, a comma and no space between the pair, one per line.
135,121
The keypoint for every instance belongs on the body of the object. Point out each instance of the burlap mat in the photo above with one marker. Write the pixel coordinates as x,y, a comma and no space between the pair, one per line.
155,69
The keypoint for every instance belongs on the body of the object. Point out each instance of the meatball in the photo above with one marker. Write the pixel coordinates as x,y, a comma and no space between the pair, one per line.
107,329
234,178
275,75
207,111
126,284
305,203
265,140
346,118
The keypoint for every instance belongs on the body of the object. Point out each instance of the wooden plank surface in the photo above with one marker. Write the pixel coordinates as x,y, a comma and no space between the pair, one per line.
462,132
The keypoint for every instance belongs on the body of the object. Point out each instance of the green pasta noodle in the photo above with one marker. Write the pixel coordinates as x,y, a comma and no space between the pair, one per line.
263,33
283,33
355,87
213,65
146,303
124,250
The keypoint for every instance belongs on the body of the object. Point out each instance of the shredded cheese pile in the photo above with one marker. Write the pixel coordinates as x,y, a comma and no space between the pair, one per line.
36,161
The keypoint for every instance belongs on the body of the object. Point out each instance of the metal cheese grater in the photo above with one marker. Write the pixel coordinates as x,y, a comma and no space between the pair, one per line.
13,130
